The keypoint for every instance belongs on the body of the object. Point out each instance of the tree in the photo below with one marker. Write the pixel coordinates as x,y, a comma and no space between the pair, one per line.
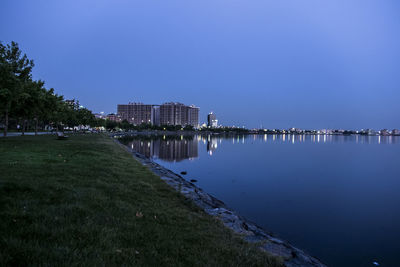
126,125
50,108
188,128
28,103
110,125
28,100
84,116
68,115
15,71
97,122
37,102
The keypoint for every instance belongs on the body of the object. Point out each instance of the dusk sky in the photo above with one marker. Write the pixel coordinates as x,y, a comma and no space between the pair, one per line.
279,64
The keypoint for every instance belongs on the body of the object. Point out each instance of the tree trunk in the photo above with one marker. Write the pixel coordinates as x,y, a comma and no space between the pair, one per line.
23,127
6,126
36,125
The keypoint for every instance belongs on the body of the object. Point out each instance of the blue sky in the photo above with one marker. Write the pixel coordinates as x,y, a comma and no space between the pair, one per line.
279,64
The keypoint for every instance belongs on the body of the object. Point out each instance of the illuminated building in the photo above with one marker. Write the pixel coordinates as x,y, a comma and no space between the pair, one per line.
179,114
166,114
212,120
136,113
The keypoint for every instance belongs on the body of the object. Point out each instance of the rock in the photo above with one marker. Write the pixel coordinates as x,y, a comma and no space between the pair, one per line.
193,180
183,172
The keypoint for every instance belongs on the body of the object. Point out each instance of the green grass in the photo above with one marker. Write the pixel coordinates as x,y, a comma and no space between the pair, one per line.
86,202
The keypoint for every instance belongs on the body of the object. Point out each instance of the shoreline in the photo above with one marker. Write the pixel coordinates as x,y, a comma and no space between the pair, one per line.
251,232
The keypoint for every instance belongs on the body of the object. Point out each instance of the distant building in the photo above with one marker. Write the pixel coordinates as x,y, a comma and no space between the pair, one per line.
166,114
172,114
368,132
136,113
113,117
155,115
212,120
384,132
295,130
100,115
325,131
179,114
193,116
396,132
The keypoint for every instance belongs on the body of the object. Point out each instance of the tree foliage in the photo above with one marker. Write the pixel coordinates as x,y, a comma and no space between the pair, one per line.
25,100
15,73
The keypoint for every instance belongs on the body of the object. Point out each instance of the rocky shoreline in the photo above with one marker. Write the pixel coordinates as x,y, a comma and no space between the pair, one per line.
293,257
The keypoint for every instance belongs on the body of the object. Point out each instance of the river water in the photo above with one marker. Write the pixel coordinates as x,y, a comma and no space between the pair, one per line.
336,197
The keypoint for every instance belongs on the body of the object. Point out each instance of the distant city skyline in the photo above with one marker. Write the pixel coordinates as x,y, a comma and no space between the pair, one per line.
271,64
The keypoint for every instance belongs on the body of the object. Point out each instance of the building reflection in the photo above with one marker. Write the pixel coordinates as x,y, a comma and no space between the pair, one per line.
212,144
178,150
167,150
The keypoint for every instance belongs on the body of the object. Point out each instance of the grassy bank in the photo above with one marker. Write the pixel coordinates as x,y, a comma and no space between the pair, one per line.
85,201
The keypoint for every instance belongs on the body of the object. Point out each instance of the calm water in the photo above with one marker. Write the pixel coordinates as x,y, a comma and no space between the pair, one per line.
336,197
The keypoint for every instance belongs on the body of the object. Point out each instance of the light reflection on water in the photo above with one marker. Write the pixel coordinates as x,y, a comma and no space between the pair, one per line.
181,148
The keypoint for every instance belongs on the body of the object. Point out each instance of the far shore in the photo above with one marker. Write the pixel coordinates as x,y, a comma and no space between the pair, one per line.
183,132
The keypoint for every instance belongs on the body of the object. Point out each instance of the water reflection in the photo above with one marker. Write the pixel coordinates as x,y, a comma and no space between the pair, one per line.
328,188
324,138
212,145
166,149
178,148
